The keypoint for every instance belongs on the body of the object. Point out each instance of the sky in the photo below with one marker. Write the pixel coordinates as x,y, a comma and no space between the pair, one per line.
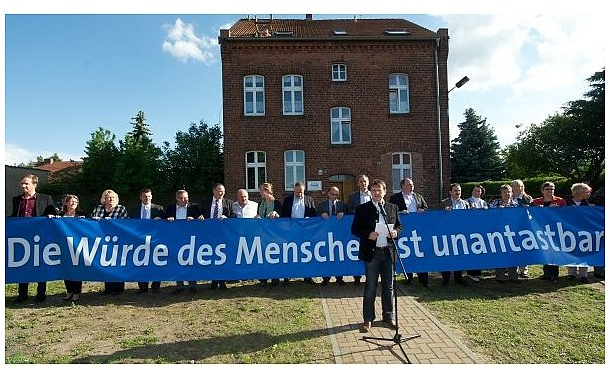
69,70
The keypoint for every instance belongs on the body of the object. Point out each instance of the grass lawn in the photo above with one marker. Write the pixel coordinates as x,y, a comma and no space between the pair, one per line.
532,322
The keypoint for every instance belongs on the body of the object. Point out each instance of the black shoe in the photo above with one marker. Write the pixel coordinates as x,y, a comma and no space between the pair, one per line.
262,283
286,282
310,281
275,282
20,299
40,298
340,282
357,280
214,286
193,290
223,286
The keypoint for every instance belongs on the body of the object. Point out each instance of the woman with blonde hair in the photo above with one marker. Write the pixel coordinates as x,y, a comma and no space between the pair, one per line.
268,207
108,209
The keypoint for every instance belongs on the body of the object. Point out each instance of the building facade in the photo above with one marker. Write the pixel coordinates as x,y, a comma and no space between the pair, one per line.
322,101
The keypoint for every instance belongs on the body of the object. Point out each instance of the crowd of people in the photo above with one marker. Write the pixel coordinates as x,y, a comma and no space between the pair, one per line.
367,204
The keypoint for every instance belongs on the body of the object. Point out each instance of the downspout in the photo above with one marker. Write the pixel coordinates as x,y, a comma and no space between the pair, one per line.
438,121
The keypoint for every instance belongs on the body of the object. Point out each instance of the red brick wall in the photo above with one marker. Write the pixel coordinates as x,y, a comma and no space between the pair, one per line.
375,132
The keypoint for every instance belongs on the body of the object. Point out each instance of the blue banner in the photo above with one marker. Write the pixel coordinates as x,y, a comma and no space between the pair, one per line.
43,249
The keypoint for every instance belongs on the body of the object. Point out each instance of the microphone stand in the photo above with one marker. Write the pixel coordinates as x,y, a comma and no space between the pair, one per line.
397,338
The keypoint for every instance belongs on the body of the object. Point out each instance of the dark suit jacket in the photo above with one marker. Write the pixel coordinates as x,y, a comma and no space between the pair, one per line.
353,201
364,223
44,205
155,211
324,207
448,203
227,207
310,207
571,203
399,200
192,210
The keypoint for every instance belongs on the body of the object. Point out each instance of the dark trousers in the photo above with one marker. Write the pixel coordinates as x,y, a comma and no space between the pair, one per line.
550,271
72,286
457,276
143,286
421,276
114,287
41,289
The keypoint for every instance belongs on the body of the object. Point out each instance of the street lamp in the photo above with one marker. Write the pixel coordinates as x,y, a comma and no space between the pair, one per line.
460,83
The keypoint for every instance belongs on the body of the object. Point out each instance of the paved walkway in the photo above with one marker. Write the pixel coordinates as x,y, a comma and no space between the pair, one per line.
343,311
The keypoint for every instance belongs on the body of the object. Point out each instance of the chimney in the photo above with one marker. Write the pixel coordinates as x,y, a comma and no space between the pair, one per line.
48,160
308,17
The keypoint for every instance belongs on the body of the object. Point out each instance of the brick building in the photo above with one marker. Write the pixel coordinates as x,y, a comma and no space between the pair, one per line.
322,101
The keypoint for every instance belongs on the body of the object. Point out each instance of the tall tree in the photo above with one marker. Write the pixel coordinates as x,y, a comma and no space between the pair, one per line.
140,127
569,144
475,153
195,162
138,164
99,163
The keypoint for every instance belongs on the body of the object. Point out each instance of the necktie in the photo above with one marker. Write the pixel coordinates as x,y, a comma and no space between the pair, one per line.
215,210
333,211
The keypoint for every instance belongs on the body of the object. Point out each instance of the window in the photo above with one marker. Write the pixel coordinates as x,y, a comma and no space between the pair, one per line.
256,170
294,166
339,72
340,126
292,90
399,93
254,95
401,169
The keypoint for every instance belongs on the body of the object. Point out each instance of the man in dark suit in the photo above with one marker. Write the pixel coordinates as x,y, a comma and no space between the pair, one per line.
356,198
454,202
299,205
217,207
409,201
183,210
32,204
370,225
332,207
147,210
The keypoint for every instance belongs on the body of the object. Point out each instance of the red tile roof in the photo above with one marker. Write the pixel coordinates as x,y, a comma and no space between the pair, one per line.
59,165
303,28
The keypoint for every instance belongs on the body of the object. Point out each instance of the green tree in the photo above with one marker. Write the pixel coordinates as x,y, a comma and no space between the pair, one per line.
99,164
138,163
569,144
140,127
195,162
475,153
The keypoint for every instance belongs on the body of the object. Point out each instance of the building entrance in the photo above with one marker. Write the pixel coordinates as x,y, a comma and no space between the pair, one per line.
345,183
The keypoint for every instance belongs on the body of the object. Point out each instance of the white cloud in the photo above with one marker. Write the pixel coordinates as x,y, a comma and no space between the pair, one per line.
525,52
15,155
183,43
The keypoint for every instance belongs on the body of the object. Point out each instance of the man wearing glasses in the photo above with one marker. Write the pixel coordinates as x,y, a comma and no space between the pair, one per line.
548,199
332,207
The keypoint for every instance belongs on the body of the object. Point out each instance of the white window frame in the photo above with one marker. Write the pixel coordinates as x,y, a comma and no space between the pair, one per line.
401,170
293,92
341,120
291,168
339,72
257,93
398,92
256,165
